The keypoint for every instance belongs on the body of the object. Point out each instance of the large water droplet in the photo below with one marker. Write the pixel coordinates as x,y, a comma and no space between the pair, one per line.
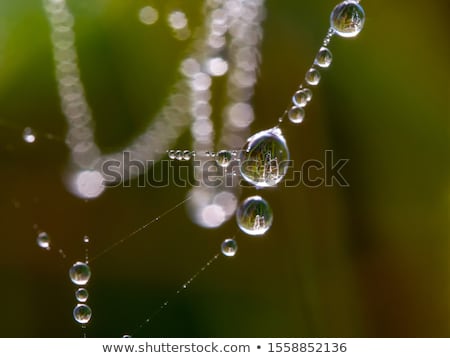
254,216
81,294
347,19
323,58
80,273
229,247
264,160
296,115
43,240
82,313
28,135
312,77
223,158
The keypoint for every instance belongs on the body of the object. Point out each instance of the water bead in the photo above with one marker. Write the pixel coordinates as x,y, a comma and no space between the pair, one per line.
187,155
308,93
229,247
80,273
264,160
28,135
82,313
300,98
43,240
312,77
296,115
324,58
81,295
347,19
179,155
223,158
254,216
171,154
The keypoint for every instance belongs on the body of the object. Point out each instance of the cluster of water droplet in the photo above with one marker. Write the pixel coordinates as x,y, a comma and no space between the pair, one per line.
177,154
80,274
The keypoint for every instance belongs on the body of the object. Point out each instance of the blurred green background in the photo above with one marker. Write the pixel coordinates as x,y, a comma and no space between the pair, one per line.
369,260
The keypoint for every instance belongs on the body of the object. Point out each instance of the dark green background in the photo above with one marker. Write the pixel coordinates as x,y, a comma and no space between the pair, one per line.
369,260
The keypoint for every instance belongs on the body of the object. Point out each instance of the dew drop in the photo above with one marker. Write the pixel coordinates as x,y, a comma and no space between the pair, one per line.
223,158
187,155
179,155
323,58
300,98
86,239
296,115
82,313
81,294
229,247
254,216
347,18
171,154
43,240
264,160
312,77
126,336
80,273
28,135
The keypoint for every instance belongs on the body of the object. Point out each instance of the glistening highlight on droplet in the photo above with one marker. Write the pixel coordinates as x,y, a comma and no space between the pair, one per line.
254,216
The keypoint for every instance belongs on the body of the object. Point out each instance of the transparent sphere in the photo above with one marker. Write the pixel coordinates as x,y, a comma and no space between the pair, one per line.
254,216
223,158
296,114
43,240
264,160
308,94
323,58
179,155
82,313
171,154
81,295
300,98
312,77
229,247
80,273
347,19
187,155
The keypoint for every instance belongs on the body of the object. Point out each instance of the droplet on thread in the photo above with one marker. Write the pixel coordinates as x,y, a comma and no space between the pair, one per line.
43,240
229,247
264,160
223,158
323,58
81,295
171,154
80,273
296,115
254,216
300,98
312,77
347,19
82,313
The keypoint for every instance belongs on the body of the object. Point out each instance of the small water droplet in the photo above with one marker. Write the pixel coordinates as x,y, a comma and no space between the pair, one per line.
308,93
28,135
171,154
229,247
86,239
323,58
81,294
254,216
187,155
184,286
264,160
80,273
312,77
223,158
43,240
296,115
347,19
82,313
300,98
179,155
126,336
